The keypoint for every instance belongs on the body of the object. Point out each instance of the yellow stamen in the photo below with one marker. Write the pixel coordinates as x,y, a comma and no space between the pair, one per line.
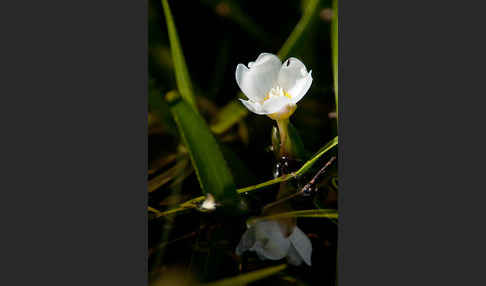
286,94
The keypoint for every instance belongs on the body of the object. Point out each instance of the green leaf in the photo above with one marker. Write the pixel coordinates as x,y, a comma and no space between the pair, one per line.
183,80
335,50
307,165
151,209
298,34
230,114
249,277
206,157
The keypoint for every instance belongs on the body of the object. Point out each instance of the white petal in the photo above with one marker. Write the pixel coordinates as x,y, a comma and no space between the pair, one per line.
302,244
266,58
301,88
294,78
275,104
253,106
270,242
293,256
260,253
209,203
260,76
272,105
247,241
291,70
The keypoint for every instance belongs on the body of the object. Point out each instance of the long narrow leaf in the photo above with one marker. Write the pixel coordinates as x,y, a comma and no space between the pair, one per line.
317,155
183,80
297,35
149,208
246,278
206,157
230,114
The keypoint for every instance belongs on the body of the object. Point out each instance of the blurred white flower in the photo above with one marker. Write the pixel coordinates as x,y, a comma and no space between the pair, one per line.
273,88
266,238
209,204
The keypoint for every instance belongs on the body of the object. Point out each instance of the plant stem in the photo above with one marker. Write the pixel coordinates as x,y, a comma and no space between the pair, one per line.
285,143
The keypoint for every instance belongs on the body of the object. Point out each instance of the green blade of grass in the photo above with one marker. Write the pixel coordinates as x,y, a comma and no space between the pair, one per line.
249,277
206,157
298,34
307,165
151,209
335,50
183,80
230,114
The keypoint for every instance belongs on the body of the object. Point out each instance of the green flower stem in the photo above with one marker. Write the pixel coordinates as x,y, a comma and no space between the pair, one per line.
285,142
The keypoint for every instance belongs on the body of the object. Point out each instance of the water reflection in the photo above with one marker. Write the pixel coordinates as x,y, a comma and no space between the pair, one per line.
267,238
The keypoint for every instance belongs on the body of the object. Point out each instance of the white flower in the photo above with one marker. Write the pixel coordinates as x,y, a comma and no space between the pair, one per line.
267,240
272,88
209,204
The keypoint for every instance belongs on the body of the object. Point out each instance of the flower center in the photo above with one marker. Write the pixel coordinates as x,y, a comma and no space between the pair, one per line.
276,91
